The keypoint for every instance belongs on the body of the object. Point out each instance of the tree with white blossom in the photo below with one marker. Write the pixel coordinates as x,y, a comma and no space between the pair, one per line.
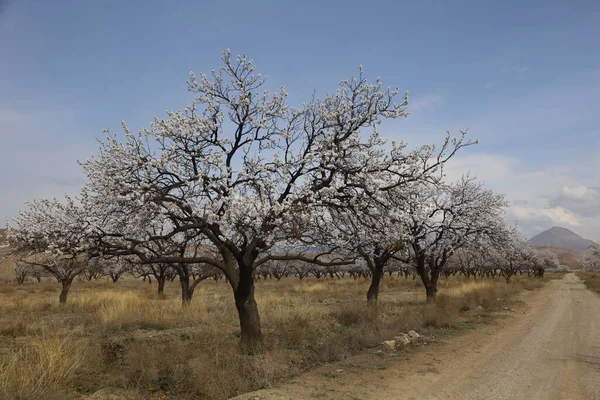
242,171
113,267
590,261
373,228
52,235
446,217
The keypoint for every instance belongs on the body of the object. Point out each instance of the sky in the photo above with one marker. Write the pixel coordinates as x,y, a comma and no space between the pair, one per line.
522,76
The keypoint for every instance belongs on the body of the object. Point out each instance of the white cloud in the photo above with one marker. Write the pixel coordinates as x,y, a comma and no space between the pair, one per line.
539,199
487,167
582,199
558,215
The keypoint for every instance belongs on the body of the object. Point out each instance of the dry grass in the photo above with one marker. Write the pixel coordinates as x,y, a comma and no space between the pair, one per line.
123,337
591,280
42,368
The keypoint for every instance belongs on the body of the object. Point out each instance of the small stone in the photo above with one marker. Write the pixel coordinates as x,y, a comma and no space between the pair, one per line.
389,345
413,334
402,339
479,307
339,370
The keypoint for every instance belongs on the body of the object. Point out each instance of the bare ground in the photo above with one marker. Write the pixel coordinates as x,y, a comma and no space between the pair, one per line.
548,348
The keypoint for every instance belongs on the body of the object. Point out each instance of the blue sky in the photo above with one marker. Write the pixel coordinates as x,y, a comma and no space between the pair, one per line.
523,76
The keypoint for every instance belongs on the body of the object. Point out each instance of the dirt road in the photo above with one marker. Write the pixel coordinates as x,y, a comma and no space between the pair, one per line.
548,349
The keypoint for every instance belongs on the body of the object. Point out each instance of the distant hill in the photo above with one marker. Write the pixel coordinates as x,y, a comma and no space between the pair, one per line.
561,238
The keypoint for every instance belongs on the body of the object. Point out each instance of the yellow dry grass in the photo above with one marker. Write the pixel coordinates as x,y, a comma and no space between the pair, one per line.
468,287
46,365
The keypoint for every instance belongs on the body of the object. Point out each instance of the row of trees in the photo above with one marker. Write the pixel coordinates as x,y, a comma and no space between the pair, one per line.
239,181
517,259
465,262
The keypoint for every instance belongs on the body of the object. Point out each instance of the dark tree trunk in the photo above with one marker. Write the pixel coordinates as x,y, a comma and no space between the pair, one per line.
66,285
430,282
251,331
161,284
431,288
187,291
431,292
373,292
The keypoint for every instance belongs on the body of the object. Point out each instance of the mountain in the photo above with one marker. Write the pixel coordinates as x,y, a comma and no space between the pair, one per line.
562,238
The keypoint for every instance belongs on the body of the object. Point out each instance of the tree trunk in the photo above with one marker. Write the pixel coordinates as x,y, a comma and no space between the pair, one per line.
186,291
161,284
431,292
66,285
431,288
251,331
373,291
430,282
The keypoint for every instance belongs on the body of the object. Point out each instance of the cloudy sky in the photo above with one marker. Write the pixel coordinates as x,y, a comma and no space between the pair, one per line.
525,80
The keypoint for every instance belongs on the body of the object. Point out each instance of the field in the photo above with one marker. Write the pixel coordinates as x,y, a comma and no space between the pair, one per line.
122,338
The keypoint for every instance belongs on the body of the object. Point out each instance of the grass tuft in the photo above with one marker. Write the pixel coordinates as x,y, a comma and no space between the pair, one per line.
46,365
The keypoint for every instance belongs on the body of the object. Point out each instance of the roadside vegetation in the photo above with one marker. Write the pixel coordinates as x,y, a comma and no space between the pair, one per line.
591,280
590,262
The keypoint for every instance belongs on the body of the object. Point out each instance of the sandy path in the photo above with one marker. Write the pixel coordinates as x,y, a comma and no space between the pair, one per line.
548,349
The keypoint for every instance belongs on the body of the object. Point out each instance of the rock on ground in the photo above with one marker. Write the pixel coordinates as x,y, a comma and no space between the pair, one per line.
413,334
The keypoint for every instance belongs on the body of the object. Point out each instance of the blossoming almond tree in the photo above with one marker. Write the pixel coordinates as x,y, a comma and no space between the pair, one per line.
590,261
52,235
373,228
447,217
514,257
240,170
